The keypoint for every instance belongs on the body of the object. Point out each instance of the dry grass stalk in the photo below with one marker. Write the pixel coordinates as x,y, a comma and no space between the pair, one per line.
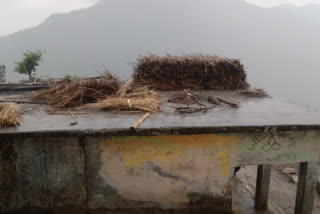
124,88
254,93
148,104
190,110
128,91
126,112
142,92
186,97
67,112
9,115
190,72
79,91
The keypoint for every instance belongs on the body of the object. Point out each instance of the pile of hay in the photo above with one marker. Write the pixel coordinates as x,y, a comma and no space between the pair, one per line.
9,115
190,72
79,91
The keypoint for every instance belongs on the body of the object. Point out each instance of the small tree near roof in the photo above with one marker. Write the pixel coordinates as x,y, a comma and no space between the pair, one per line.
30,62
2,73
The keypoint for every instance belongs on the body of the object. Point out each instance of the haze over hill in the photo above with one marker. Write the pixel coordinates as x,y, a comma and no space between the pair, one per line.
280,48
310,12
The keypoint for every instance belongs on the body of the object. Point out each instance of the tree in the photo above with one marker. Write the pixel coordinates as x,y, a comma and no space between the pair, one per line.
2,73
29,63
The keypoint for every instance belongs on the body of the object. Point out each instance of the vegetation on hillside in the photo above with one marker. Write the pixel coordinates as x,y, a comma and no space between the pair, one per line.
29,64
2,73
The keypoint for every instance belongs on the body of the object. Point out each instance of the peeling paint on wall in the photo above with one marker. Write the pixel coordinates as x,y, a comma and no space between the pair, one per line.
137,150
223,157
161,172
165,169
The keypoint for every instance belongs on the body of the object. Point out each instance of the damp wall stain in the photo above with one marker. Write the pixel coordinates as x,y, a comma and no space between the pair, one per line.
138,174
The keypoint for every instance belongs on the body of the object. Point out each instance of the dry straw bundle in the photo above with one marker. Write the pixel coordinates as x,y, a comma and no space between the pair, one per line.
9,115
79,91
190,72
140,99
149,104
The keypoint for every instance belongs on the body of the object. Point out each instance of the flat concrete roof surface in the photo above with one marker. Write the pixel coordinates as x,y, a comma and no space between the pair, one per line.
253,114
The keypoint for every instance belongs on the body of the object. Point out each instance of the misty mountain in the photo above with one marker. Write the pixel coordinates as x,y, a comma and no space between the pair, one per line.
310,12
280,49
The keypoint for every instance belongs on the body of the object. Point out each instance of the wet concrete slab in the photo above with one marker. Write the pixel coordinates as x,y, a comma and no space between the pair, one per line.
43,162
253,114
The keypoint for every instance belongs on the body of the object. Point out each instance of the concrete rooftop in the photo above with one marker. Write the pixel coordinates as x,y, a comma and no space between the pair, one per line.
252,115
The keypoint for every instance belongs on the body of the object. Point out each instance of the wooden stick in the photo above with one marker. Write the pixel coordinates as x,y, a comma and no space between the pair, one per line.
214,100
231,104
190,110
127,112
21,102
27,88
72,115
123,90
140,121
66,112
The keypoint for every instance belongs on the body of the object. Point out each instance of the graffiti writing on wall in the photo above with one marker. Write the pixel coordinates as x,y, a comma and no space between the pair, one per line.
272,141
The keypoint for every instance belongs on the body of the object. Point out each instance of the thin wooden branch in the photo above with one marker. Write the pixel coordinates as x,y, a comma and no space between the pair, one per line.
22,102
213,100
140,121
72,115
22,88
230,103
190,110
66,112
123,90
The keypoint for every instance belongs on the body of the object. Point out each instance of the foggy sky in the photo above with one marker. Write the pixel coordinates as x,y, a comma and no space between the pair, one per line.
270,3
279,47
17,15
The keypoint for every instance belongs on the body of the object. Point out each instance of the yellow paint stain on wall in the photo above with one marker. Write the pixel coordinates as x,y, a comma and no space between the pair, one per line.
223,157
140,152
137,150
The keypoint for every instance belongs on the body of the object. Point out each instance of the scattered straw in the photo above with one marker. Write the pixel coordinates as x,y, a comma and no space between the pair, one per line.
141,92
79,91
190,72
9,115
186,97
254,93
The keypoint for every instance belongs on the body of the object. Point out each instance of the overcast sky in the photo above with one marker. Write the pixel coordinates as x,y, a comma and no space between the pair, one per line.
17,15
270,3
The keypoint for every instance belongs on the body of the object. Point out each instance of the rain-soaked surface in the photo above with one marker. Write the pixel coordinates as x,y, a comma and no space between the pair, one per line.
253,112
282,191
